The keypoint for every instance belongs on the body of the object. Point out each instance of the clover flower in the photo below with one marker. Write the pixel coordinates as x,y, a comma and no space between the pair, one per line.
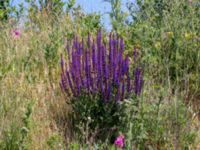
16,33
119,142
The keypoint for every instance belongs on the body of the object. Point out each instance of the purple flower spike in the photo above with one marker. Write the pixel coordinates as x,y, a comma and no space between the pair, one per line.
98,68
138,81
87,71
88,42
123,90
94,61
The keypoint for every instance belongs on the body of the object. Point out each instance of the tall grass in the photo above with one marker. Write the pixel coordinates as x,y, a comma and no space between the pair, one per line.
165,116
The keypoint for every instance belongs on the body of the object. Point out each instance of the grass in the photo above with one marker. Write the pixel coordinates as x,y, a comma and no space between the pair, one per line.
24,75
30,75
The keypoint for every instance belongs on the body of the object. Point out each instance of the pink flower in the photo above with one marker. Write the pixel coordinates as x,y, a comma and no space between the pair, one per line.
16,33
119,142
190,1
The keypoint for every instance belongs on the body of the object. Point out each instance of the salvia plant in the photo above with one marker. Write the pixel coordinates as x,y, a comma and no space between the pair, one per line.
97,67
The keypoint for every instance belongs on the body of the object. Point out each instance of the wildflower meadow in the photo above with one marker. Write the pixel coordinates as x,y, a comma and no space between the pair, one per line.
124,75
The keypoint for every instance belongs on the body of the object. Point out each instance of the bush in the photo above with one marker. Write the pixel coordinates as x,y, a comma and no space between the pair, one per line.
97,77
159,125
168,35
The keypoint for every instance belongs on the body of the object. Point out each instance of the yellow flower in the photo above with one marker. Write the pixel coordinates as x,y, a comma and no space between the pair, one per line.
188,36
137,46
157,45
170,34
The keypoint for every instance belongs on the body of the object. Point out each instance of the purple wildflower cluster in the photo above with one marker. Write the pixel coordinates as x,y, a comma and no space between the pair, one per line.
99,68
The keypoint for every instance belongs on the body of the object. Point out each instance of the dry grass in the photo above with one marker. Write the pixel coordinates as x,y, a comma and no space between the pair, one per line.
24,78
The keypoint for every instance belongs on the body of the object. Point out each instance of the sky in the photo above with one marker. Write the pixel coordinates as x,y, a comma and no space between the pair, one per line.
91,6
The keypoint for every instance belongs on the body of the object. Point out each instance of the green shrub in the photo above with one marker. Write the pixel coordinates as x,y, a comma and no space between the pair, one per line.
167,34
159,125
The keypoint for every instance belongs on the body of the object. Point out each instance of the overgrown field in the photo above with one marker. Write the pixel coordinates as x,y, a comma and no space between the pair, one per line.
67,82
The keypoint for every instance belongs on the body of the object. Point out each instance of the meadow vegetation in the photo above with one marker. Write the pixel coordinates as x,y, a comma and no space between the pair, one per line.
66,82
